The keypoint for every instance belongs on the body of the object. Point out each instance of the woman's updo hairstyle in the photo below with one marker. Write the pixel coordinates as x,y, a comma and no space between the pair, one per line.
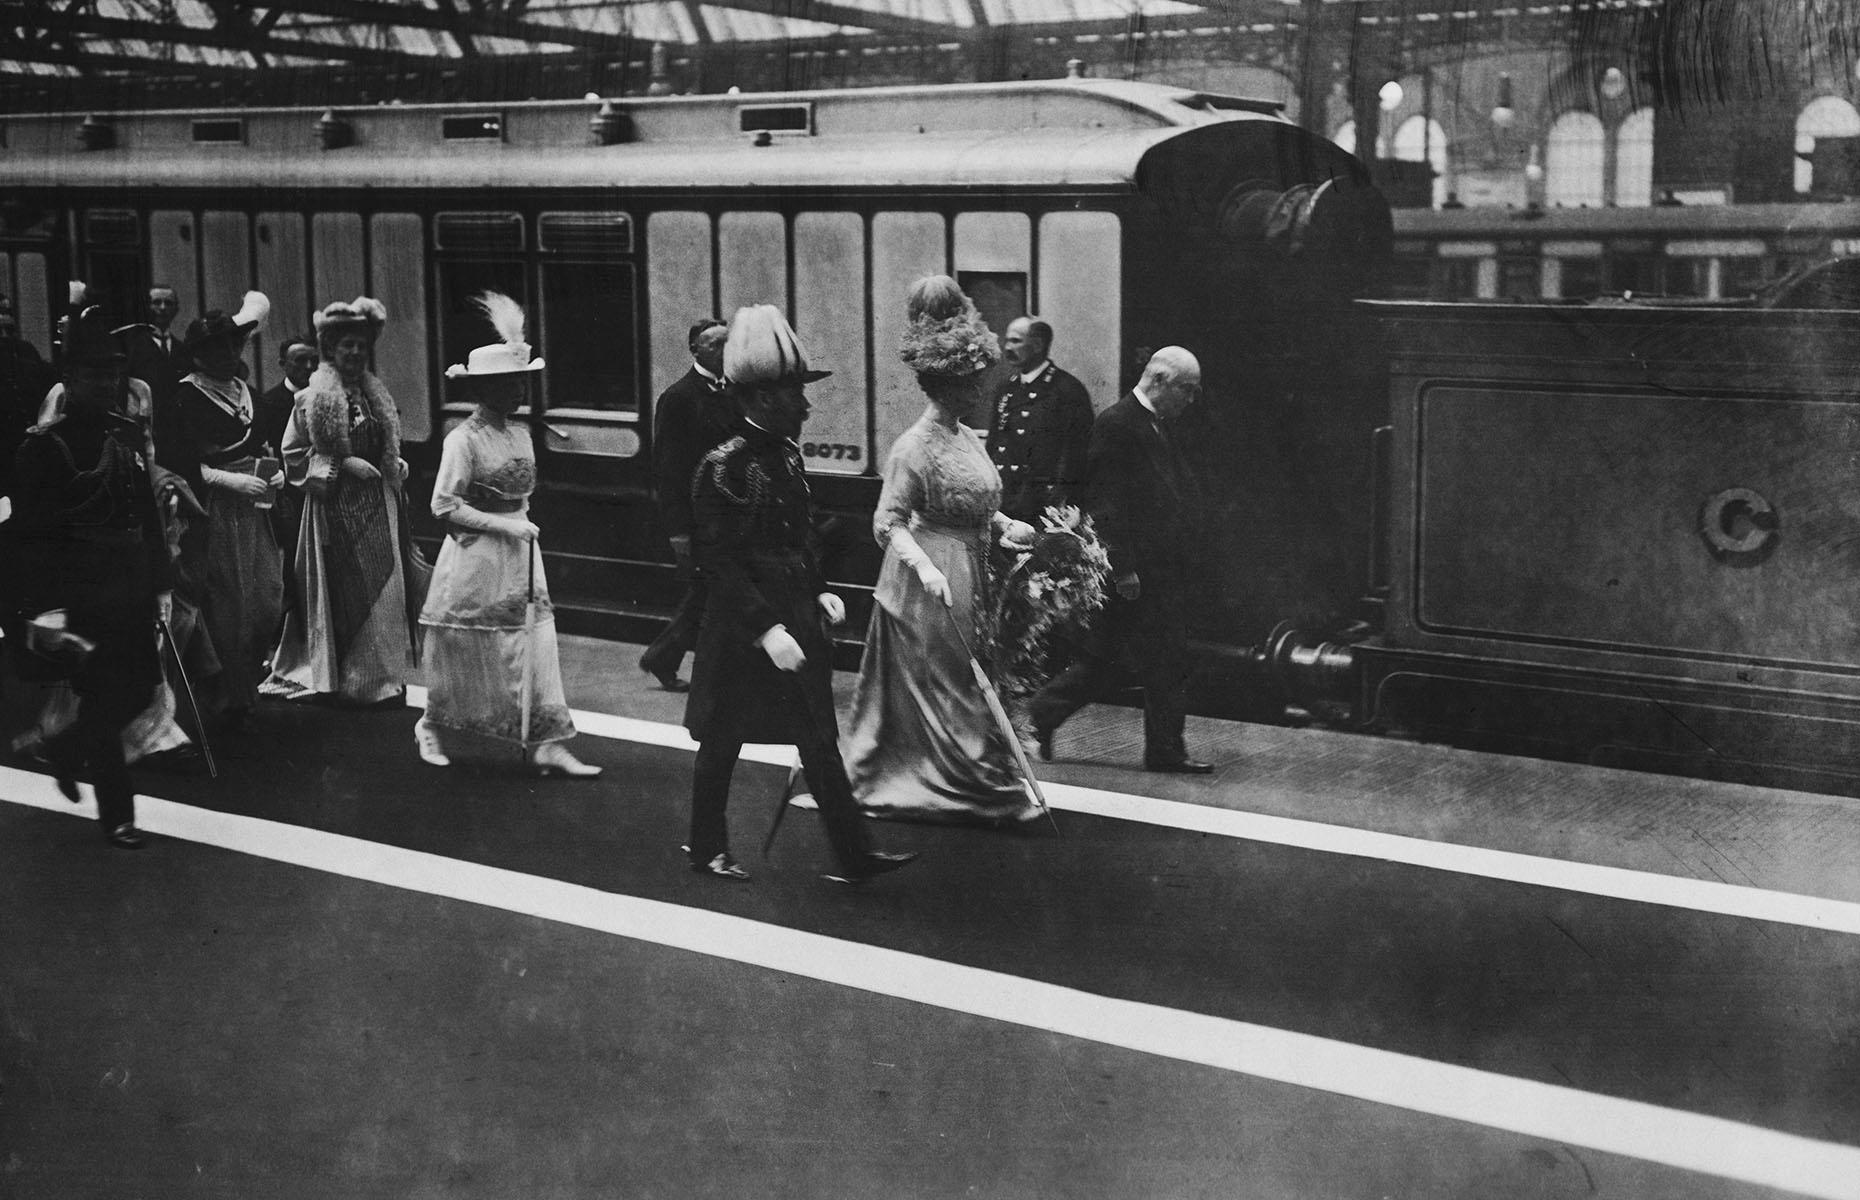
945,340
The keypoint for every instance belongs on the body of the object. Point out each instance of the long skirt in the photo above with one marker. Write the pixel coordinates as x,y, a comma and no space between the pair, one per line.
347,634
481,662
921,743
245,595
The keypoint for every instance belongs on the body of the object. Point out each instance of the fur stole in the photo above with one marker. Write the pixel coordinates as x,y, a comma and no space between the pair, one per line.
327,410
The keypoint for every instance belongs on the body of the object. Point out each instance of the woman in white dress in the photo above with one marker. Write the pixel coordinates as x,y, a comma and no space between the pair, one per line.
920,742
489,629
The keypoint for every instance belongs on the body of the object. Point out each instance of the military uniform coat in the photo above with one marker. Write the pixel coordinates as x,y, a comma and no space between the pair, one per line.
754,540
1040,441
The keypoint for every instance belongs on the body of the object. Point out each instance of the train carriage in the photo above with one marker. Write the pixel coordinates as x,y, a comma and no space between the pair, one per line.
1128,215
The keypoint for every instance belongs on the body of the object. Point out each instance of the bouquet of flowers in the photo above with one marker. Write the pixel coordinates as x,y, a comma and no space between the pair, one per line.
1045,597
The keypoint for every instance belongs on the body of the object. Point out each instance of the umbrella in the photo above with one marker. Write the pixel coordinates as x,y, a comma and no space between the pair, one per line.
187,689
529,654
1006,726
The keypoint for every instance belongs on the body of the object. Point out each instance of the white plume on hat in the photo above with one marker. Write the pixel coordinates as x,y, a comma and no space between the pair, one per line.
506,356
252,310
763,348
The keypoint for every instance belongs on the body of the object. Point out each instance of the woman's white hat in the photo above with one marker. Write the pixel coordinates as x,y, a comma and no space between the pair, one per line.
509,356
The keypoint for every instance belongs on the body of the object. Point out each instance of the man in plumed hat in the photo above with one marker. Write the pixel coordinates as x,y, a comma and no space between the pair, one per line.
763,671
89,571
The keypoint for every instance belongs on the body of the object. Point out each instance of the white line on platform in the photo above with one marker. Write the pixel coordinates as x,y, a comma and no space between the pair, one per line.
1619,883
1689,1141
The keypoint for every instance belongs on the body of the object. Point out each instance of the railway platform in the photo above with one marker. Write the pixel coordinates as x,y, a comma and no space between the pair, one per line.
1339,966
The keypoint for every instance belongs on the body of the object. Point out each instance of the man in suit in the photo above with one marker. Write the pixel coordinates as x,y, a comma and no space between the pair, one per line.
764,669
157,359
1143,498
1042,428
691,417
297,359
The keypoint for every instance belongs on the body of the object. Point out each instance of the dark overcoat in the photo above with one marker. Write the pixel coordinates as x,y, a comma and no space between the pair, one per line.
690,418
753,537
86,537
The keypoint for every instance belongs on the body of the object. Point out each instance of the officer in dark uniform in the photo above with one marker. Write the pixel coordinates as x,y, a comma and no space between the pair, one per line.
690,417
1042,426
764,670
89,571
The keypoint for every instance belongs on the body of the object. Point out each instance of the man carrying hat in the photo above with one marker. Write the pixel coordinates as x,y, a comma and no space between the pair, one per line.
88,571
763,671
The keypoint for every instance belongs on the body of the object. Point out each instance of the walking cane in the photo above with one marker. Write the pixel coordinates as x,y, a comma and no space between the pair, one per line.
529,656
999,712
187,689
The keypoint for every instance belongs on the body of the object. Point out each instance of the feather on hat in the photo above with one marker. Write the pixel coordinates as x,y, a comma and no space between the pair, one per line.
762,348
510,354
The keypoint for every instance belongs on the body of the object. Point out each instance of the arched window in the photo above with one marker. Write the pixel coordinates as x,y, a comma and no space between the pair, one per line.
1822,117
1421,140
1573,161
1634,159
1346,137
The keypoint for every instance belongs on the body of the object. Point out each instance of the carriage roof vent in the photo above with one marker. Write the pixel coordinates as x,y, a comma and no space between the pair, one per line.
219,131
789,120
473,127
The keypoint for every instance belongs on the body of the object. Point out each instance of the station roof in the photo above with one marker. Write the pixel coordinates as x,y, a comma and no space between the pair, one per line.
62,37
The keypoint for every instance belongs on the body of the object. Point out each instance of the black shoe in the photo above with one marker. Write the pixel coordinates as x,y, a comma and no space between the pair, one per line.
723,867
126,837
667,679
1045,739
67,786
1181,766
875,862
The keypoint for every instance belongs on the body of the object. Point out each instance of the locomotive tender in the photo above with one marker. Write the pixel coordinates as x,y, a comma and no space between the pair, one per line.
1128,215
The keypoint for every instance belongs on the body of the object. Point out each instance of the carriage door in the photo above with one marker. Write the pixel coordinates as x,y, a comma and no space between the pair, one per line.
26,277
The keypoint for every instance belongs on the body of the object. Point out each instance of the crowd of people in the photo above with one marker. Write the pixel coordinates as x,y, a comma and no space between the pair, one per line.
179,534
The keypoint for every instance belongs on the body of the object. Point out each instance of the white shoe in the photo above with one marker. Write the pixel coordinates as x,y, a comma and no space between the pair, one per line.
426,741
553,758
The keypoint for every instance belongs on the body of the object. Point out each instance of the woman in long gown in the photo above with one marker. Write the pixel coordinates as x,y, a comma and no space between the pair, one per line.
349,633
215,444
921,742
489,645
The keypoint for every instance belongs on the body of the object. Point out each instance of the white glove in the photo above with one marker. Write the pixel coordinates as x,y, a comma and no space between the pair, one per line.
912,555
1017,535
831,607
782,649
250,486
164,606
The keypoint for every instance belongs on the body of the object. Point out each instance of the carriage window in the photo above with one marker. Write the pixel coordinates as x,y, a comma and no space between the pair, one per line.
1582,277
1410,277
1001,296
462,327
591,344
